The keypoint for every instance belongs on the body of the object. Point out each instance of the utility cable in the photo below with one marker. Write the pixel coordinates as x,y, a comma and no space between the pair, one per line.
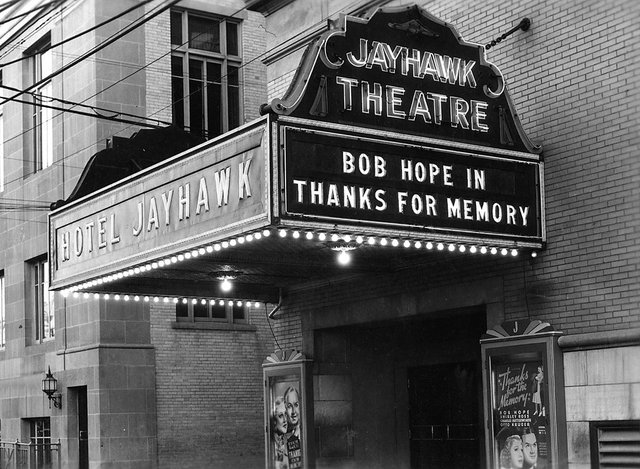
80,34
6,5
102,45
97,110
152,62
36,25
89,114
20,15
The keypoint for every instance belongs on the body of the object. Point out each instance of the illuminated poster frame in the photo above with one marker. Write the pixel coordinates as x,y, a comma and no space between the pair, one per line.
523,387
288,411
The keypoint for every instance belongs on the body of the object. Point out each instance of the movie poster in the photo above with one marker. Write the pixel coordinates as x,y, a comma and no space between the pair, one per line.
285,423
520,394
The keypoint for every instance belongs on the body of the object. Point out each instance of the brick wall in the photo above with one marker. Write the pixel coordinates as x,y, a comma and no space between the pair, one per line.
573,80
254,72
570,77
209,393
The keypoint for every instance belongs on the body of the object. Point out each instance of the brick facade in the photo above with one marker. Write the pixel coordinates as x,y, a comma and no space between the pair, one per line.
209,399
572,78
161,395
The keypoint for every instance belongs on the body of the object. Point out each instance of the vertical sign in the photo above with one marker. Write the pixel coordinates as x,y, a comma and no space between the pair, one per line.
288,411
285,422
523,384
520,394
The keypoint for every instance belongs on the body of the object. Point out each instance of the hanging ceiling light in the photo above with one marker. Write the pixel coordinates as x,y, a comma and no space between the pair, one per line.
343,250
225,284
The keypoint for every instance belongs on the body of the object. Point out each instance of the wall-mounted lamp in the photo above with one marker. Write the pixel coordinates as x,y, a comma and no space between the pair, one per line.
50,387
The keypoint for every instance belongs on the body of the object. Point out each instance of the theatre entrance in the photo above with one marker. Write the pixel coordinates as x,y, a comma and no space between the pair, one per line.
403,393
443,415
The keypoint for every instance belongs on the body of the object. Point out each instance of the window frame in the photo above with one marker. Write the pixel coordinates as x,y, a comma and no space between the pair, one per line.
40,438
44,323
187,55
41,117
230,310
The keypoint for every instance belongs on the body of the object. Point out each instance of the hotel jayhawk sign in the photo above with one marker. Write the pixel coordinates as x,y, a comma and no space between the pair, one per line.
215,190
395,122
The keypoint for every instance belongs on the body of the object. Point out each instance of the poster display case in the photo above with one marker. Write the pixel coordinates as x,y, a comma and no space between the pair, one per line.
523,390
288,411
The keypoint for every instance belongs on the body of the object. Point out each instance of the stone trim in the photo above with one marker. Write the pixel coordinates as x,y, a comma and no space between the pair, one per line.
215,326
605,339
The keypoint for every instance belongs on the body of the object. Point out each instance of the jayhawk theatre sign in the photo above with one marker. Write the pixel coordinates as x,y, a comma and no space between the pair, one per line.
396,122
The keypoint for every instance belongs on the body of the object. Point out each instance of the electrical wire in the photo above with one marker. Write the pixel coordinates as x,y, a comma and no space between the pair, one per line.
266,313
80,34
292,39
110,40
95,109
41,7
36,25
6,5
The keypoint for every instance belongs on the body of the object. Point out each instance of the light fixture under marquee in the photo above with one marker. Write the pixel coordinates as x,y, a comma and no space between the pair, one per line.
352,240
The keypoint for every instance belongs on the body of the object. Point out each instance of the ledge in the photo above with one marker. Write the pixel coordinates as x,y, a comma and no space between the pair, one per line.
214,326
84,348
593,340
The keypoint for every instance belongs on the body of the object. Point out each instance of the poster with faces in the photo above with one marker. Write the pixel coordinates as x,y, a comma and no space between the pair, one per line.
285,423
520,411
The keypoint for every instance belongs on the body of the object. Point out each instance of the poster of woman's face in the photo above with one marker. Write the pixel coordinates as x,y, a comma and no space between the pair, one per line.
286,421
520,411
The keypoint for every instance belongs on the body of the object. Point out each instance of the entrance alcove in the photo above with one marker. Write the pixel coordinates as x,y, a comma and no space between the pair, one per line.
400,393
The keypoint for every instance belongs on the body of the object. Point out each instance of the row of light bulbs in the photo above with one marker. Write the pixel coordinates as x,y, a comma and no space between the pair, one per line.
164,299
372,240
344,256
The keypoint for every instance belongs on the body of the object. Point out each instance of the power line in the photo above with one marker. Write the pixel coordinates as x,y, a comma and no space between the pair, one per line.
141,20
41,7
61,161
88,114
80,34
102,45
95,109
36,25
6,5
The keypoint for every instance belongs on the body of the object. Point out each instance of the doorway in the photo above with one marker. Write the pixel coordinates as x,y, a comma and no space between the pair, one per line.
83,428
443,415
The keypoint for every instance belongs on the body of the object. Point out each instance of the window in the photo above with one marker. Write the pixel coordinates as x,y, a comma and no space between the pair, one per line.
205,68
44,321
615,443
40,432
3,302
42,118
211,310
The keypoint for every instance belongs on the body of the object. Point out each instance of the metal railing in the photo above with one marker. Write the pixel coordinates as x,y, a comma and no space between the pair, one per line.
16,455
